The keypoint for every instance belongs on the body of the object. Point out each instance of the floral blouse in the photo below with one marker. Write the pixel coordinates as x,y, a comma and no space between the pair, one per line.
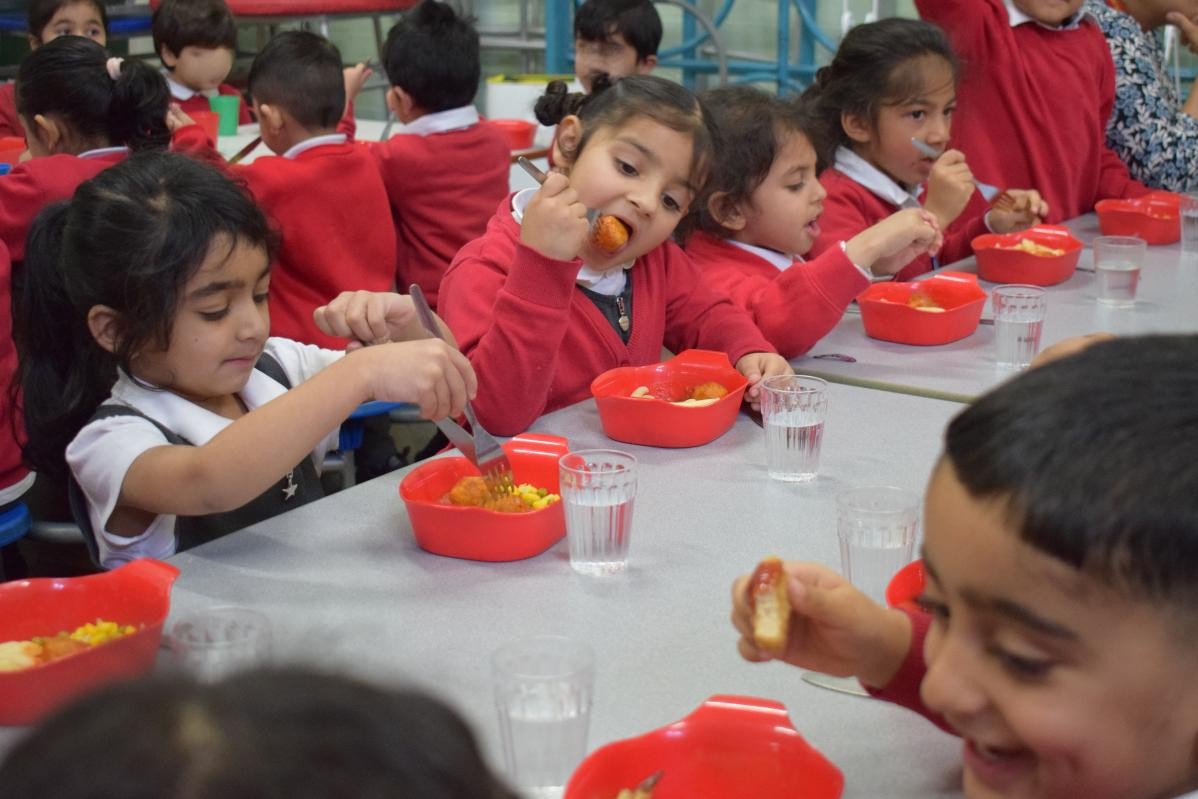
1148,130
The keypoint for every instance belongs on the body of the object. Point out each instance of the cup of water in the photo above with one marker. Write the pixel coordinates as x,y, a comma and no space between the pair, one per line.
1117,261
543,689
214,643
1189,224
793,408
1019,312
877,528
598,488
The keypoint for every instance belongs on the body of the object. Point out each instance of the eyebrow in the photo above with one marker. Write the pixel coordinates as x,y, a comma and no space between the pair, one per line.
1007,608
654,159
217,286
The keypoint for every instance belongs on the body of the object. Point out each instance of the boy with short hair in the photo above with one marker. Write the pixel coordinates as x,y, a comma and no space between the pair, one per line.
618,37
446,171
196,41
1056,634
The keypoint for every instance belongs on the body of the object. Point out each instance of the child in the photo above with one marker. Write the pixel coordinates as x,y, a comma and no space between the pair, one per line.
15,477
277,732
1061,552
49,19
82,112
615,38
324,192
889,82
144,354
541,310
196,41
762,212
447,171
1036,98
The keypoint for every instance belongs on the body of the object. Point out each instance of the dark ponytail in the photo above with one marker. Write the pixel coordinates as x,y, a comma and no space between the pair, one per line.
558,102
67,78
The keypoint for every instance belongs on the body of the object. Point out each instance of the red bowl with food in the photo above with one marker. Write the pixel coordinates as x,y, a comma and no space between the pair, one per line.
906,585
475,533
136,594
945,307
1042,255
730,746
641,404
519,132
1155,217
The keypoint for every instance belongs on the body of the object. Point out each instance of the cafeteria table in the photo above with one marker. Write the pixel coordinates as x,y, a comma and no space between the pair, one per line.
347,588
1166,302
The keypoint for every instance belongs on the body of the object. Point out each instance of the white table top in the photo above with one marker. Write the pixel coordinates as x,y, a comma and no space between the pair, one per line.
1166,303
346,587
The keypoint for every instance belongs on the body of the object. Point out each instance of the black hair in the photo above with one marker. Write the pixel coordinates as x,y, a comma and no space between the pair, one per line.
876,65
193,23
269,733
753,127
130,239
40,13
614,102
636,20
300,72
1093,459
67,78
432,54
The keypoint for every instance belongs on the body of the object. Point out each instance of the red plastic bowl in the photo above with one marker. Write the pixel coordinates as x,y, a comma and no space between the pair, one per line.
519,132
733,746
458,531
641,420
1155,217
137,593
886,315
11,148
998,264
906,585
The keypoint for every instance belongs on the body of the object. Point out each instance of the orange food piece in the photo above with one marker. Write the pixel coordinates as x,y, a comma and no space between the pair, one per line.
60,646
708,390
771,605
508,503
919,300
470,491
609,234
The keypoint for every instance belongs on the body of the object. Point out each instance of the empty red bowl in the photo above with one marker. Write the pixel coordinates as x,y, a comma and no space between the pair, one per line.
999,263
729,746
906,585
459,531
654,420
519,132
137,593
887,316
1155,217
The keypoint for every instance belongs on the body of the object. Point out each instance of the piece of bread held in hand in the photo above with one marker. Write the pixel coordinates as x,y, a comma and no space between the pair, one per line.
771,605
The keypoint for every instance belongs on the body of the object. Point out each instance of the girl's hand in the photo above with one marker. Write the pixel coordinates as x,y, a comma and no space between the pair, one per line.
367,317
177,118
888,246
355,78
555,222
759,365
1028,209
949,187
428,373
834,628
1188,27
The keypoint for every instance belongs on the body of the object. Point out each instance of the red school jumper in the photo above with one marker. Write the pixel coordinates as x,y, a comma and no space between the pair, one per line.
536,341
12,469
331,208
443,188
1033,105
793,307
850,208
10,121
199,102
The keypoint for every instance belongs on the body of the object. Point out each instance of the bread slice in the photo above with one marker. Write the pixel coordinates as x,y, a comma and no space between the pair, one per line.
771,605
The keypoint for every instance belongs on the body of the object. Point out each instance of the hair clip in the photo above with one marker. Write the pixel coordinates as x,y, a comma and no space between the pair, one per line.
114,67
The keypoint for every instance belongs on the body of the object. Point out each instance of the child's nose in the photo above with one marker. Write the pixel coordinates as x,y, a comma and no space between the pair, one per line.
645,198
948,686
819,191
937,132
253,322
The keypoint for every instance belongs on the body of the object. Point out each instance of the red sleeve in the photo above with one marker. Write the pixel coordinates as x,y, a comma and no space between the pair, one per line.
347,124
964,229
193,141
10,123
22,196
903,688
510,326
1114,180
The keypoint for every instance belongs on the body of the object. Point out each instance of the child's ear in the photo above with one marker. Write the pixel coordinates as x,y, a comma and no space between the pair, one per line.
857,127
645,65
105,326
406,109
169,59
270,118
33,41
48,132
565,144
726,212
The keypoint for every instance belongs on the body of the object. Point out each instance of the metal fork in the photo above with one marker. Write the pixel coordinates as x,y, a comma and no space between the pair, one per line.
999,199
486,452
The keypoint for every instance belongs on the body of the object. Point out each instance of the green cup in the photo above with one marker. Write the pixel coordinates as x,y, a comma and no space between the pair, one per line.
228,108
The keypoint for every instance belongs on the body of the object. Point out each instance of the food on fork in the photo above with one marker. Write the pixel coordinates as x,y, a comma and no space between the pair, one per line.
609,234
475,491
1033,248
770,604
18,655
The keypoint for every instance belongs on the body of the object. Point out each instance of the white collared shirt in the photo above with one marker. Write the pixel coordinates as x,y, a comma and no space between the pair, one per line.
609,282
465,116
1017,17
181,92
100,152
315,141
863,172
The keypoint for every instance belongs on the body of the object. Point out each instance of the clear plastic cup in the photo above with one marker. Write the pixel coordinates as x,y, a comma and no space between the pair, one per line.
1189,224
877,528
1019,312
214,643
598,489
1117,262
793,409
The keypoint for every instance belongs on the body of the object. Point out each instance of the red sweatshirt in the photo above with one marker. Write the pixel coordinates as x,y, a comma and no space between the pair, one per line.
12,470
536,341
794,307
1033,105
199,102
903,688
10,121
443,188
850,208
